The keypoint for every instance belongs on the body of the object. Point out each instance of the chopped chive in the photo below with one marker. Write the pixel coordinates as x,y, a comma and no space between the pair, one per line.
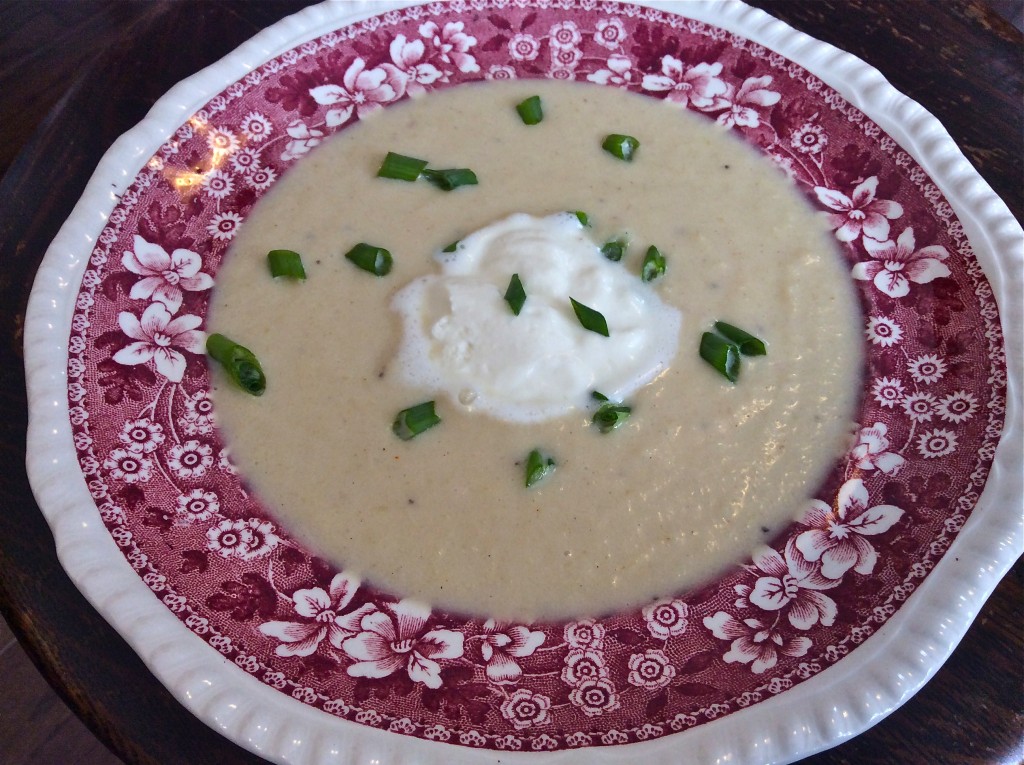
450,179
401,168
376,260
451,247
582,217
614,249
239,362
621,146
589,318
530,111
609,416
286,263
538,467
598,395
412,421
515,295
654,264
747,343
721,354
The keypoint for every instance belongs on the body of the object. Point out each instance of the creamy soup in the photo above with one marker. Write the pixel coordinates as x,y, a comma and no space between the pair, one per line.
702,472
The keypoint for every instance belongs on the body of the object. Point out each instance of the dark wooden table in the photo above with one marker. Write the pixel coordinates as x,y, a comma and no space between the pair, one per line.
75,75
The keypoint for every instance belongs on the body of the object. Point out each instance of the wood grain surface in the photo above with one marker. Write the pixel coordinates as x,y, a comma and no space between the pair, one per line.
75,75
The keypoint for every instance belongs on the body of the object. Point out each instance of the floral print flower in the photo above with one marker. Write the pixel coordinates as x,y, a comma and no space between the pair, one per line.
698,85
650,669
565,35
228,539
753,642
610,33
585,633
221,141
936,443
895,265
407,55
502,645
526,709
619,72
887,391
452,44
160,338
304,139
321,617
794,582
164,276
860,213
595,697
957,407
394,640
142,435
928,368
809,138
265,176
260,538
245,161
920,406
362,92
191,459
218,184
197,505
836,534
224,226
666,618
565,58
128,466
523,47
256,127
871,453
883,331
583,665
198,418
739,103
500,72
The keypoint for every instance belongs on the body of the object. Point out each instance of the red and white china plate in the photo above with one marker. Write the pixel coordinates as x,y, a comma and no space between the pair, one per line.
810,641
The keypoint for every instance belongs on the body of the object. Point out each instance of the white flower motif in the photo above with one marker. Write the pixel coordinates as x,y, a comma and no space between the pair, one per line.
260,538
888,391
198,418
142,435
500,72
595,697
836,535
322,617
650,669
666,618
526,709
256,127
191,459
164,276
218,184
957,407
224,226
128,466
861,213
227,539
583,634
619,72
870,452
221,141
523,47
245,161
583,665
362,92
197,505
392,640
452,44
610,33
895,265
157,338
502,645
794,582
265,176
936,443
305,138
920,406
565,35
739,104
928,368
698,85
883,331
407,55
565,59
753,642
809,138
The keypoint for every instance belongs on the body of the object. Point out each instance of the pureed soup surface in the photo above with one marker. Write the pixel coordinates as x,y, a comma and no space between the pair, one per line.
702,472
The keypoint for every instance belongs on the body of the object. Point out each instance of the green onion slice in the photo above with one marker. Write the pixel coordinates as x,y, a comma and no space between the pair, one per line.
401,168
530,111
451,179
721,354
515,295
621,146
654,264
412,421
239,362
452,247
287,263
614,249
598,395
582,217
609,416
589,318
370,258
747,343
538,467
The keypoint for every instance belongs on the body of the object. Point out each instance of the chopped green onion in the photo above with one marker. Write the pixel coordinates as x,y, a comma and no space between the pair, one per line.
614,249
621,146
530,111
589,318
515,295
239,362
286,263
412,421
376,260
401,168
451,247
609,416
721,354
654,264
537,467
748,344
450,179
598,395
582,217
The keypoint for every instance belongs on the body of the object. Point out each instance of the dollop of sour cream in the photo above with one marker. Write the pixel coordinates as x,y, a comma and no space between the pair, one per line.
461,339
